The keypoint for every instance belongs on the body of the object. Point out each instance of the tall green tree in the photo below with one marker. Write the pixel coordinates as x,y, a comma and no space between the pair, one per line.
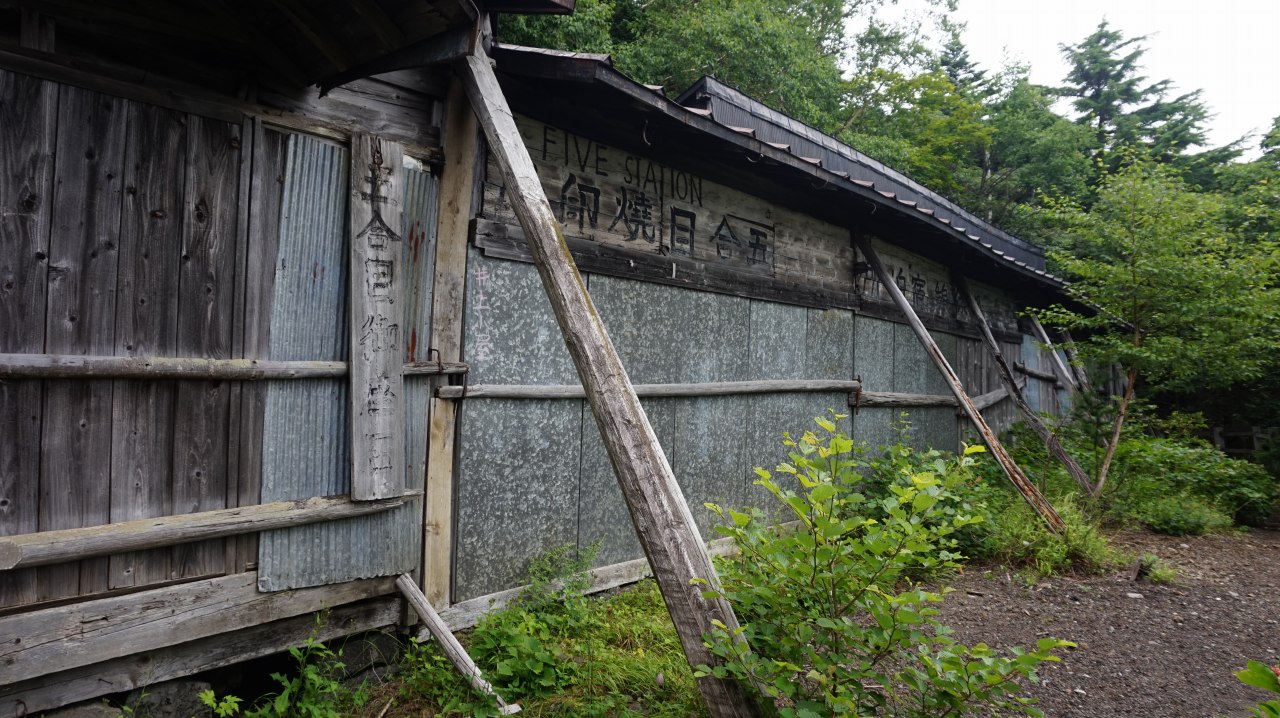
1182,303
1128,114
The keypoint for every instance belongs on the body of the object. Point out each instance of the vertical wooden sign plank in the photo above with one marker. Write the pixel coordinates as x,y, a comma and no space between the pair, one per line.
206,301
147,325
377,411
28,112
75,472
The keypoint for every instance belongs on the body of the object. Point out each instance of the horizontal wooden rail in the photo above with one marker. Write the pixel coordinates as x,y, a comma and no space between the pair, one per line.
721,388
46,547
891,398
991,398
1036,373
74,366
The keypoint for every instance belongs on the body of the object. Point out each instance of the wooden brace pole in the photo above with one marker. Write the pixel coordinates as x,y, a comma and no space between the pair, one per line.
663,521
449,643
1082,375
1006,375
1068,378
1011,468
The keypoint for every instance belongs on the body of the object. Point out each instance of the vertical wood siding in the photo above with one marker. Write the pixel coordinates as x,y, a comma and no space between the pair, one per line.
132,242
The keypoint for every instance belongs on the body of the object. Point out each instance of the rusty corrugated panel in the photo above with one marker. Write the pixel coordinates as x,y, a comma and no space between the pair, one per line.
420,203
306,440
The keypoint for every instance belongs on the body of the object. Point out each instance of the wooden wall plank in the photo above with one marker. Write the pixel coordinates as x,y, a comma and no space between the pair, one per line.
28,114
376,300
147,325
142,669
65,637
265,199
206,302
80,318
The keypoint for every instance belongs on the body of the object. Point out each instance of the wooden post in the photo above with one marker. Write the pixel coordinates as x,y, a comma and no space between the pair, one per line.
377,391
1011,385
449,643
461,145
1067,377
1082,376
1011,468
662,519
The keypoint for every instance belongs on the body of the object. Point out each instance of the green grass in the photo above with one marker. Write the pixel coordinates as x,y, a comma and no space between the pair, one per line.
615,656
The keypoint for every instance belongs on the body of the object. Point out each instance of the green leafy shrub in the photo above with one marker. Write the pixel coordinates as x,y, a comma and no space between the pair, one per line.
1016,536
834,623
1260,675
1181,515
312,691
1149,469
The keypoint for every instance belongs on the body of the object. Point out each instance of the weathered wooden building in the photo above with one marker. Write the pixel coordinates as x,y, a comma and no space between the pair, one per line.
263,350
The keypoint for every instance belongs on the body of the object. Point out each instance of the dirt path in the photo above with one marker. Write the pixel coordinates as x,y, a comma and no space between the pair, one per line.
1159,650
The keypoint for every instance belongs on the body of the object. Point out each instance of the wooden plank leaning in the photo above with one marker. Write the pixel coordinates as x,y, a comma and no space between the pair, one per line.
1010,467
1006,375
1059,366
663,521
449,643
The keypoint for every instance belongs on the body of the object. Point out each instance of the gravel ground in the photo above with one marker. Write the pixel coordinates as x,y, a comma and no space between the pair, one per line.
1162,650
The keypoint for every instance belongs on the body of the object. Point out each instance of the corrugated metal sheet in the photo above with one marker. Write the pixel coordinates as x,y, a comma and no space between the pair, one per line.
306,433
420,207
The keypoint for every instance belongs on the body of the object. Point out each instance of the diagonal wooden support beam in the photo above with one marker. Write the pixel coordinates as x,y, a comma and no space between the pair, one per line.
449,644
662,519
1015,392
1011,468
1082,375
1060,366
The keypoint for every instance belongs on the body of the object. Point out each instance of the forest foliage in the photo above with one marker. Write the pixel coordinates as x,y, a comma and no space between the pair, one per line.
1109,171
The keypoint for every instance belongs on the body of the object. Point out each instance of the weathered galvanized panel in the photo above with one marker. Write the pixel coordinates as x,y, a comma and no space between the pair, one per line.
776,351
28,112
641,318
828,355
873,360
147,325
519,461
709,432
83,256
1029,354
306,452
915,373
